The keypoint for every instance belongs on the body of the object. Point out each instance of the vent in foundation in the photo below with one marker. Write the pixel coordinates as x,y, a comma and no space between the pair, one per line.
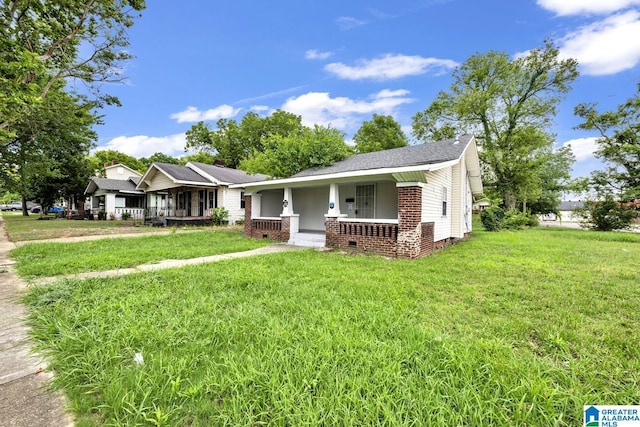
353,244
265,236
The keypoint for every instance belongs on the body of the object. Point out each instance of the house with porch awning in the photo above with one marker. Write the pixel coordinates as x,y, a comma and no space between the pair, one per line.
116,194
180,195
402,202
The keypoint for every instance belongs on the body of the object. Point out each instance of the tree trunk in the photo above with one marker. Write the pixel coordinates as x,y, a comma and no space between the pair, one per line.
25,210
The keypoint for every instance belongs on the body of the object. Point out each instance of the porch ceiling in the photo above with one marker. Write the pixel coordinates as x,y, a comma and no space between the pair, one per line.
413,176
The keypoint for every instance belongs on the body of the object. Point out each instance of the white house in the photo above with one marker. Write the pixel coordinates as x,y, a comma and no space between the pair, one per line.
116,194
188,194
401,203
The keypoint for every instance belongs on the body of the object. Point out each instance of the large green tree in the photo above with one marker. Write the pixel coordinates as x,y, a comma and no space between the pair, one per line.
45,158
287,155
618,148
233,142
43,42
158,157
379,133
102,158
509,105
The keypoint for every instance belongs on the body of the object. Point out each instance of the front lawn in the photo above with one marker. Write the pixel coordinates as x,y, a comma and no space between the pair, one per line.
505,329
23,228
53,259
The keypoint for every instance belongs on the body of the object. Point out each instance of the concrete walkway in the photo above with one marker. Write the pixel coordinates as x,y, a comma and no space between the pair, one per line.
171,263
25,399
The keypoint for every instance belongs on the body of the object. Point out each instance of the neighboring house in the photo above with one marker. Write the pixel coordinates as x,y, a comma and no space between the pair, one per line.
480,205
567,212
188,194
400,203
117,193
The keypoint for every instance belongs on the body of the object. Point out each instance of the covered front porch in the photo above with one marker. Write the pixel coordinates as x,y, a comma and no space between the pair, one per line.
181,206
369,216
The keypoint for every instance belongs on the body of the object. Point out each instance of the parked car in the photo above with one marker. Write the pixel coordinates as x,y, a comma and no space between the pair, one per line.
52,209
16,206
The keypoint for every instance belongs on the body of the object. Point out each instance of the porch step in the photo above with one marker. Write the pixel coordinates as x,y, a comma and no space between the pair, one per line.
313,240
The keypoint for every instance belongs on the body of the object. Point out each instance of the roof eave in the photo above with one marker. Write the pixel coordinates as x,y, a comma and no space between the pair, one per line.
364,173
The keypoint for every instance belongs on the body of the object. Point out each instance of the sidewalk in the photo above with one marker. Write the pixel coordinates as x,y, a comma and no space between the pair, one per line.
24,397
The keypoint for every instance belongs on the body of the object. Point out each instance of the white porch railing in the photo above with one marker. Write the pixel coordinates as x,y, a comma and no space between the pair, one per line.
135,213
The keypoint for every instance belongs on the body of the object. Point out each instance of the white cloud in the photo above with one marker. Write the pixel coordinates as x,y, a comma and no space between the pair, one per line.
342,112
583,148
348,22
192,114
316,54
260,108
389,67
607,46
581,7
144,146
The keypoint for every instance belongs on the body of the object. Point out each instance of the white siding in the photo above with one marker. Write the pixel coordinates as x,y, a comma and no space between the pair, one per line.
468,218
432,202
347,191
160,182
270,203
311,204
460,201
386,202
231,201
120,172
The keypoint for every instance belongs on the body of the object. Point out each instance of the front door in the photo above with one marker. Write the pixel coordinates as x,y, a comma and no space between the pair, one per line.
202,202
365,201
187,202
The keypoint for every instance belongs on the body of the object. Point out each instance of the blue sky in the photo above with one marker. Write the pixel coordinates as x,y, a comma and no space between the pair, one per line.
339,62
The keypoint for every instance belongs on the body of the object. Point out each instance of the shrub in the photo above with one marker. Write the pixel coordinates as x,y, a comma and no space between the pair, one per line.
102,215
494,218
514,220
240,222
491,218
126,216
606,215
220,216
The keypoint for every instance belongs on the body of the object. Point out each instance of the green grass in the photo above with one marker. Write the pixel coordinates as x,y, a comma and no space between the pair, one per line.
505,329
25,228
53,259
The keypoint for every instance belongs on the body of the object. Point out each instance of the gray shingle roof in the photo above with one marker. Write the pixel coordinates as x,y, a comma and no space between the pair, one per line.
224,174
113,184
181,173
423,154
569,205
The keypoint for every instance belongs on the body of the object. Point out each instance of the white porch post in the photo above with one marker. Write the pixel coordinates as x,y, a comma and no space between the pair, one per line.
287,202
334,201
287,211
256,205
110,204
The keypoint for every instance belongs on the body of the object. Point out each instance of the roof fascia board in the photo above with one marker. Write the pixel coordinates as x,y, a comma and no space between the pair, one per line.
346,176
123,166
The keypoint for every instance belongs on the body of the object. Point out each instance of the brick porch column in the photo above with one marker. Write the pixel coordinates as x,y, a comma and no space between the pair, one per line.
332,232
409,219
247,216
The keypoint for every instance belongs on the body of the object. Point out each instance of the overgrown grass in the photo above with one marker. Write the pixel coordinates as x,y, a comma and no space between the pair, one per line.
513,328
23,228
53,259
